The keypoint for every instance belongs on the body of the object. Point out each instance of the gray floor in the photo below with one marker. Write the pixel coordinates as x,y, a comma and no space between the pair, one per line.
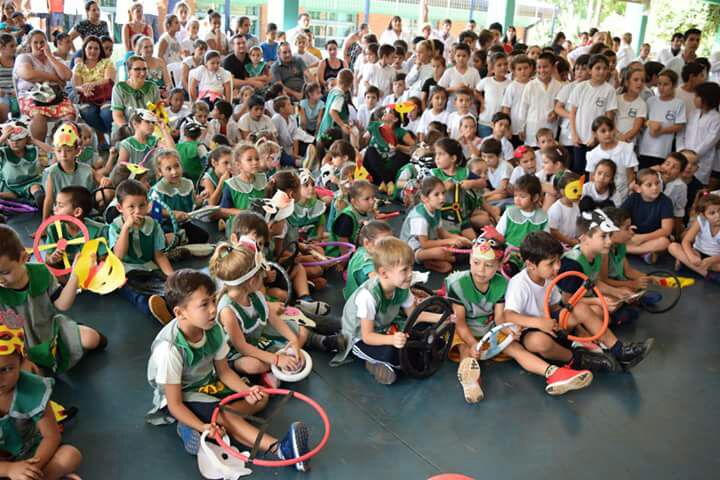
659,422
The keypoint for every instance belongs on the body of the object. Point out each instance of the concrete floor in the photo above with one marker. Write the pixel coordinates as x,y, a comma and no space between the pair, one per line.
657,422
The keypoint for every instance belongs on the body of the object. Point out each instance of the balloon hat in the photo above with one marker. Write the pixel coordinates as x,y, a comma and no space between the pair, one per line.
402,108
101,278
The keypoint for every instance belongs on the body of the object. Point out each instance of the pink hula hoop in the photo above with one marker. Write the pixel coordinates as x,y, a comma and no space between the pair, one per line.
274,463
332,261
459,251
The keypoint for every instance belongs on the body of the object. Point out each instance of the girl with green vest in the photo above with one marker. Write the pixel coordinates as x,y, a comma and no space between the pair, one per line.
29,433
34,297
337,111
189,374
616,270
526,215
135,149
388,149
213,180
247,184
424,234
309,214
346,226
370,322
20,170
178,193
256,334
361,267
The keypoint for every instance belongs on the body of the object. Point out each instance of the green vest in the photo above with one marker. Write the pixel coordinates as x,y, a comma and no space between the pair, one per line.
592,270
378,141
95,230
87,156
82,176
19,433
190,159
358,220
479,306
252,325
308,216
419,211
243,193
180,198
616,262
387,311
327,121
358,270
144,241
18,173
519,226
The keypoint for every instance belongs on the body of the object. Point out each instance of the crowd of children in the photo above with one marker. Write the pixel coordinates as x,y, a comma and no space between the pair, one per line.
511,162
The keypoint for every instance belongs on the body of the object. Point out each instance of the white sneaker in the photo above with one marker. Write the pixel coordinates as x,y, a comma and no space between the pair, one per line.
469,377
313,307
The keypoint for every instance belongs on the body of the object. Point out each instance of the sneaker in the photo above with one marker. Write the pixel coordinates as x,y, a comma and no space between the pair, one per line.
179,254
595,362
313,307
565,379
269,380
294,445
383,374
589,346
469,377
334,343
634,353
190,438
159,310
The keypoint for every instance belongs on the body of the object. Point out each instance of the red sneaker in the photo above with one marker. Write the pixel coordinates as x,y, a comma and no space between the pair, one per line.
565,379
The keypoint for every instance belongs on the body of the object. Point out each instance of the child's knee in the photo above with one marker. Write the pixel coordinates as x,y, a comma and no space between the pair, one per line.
538,342
674,249
68,458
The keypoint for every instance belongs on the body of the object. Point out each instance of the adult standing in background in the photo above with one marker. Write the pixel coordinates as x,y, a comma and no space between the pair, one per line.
689,53
394,32
250,40
136,26
351,45
92,25
302,23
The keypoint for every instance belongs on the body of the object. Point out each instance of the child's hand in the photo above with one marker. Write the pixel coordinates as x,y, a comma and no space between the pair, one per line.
129,222
181,216
287,362
399,340
105,182
255,394
25,470
214,429
225,176
548,325
113,153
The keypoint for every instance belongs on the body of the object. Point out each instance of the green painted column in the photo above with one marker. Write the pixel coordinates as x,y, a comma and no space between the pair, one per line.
283,12
509,13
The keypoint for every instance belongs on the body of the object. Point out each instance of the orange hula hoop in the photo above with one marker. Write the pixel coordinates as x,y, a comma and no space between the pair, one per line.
579,293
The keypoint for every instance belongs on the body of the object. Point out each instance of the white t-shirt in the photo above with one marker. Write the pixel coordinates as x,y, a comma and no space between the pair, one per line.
169,360
363,73
309,59
591,102
417,77
624,157
526,297
589,190
452,78
537,101
704,240
494,93
562,97
210,81
702,134
676,191
668,113
366,308
628,112
511,99
428,116
382,78
575,54
563,218
625,56
517,173
688,98
249,124
364,114
454,123
497,175
508,152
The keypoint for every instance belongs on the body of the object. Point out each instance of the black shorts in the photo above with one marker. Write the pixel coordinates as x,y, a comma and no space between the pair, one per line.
560,340
202,410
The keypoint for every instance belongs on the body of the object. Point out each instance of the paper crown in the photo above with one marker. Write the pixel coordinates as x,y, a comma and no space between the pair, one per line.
11,340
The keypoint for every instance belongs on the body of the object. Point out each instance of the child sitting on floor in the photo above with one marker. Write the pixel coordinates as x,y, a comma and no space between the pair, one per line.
31,440
20,169
525,215
563,214
700,247
372,310
361,267
31,293
651,212
191,352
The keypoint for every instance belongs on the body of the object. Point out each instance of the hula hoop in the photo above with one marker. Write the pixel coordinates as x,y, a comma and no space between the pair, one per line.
286,278
510,250
385,216
274,463
491,340
576,297
673,285
332,261
11,206
158,216
458,251
62,243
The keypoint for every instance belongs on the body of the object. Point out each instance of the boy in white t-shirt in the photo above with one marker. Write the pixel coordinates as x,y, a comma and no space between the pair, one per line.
459,77
383,75
564,213
522,67
493,89
398,94
500,129
368,108
589,100
498,171
463,101
580,74
675,189
537,105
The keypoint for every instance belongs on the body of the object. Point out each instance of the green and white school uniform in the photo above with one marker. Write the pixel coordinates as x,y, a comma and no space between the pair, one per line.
191,155
591,269
419,220
469,200
358,220
242,193
308,216
82,176
180,197
378,141
387,311
335,102
479,306
95,230
18,174
144,242
19,433
52,340
616,262
87,156
516,224
212,176
358,271
138,151
253,320
199,381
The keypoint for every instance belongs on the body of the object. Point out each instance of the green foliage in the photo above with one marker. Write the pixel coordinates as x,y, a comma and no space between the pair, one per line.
666,18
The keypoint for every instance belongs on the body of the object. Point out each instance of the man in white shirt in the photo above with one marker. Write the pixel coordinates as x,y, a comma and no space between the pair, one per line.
675,49
303,23
445,37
